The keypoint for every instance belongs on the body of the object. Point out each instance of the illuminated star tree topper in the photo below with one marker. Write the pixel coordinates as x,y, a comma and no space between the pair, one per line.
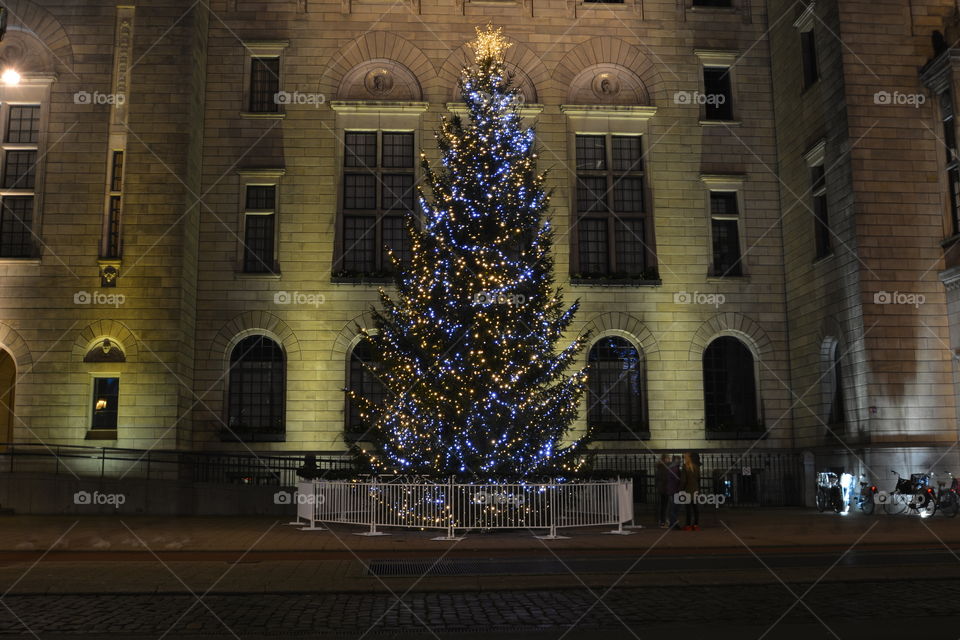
467,347
490,44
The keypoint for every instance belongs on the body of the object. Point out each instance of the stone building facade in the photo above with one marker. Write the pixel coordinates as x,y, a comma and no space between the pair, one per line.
871,130
202,290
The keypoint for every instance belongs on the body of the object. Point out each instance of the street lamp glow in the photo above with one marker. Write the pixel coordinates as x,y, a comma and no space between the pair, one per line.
10,77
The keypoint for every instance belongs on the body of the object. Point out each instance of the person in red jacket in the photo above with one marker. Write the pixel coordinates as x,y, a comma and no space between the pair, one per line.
673,489
691,486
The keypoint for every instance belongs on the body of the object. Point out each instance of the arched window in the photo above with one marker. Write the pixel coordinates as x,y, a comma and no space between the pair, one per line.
616,399
364,383
256,402
729,388
837,416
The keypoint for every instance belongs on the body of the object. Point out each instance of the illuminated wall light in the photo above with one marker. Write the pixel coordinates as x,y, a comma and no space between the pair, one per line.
10,77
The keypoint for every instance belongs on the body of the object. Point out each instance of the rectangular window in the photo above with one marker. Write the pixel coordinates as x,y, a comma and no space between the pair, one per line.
725,231
19,170
264,85
111,244
808,56
259,229
718,93
378,191
16,219
611,207
21,136
106,399
594,257
116,172
820,214
23,124
952,160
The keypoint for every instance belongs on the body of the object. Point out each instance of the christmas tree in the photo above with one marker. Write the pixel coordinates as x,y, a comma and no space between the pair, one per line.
467,348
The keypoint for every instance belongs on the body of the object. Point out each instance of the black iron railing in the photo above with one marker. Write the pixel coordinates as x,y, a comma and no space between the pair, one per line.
249,467
757,478
767,478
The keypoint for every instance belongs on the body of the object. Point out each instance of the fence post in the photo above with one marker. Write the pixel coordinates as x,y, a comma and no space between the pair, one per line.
451,505
552,487
313,513
620,490
373,513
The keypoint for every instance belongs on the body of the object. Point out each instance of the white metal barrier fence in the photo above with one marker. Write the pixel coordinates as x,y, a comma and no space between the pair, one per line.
453,506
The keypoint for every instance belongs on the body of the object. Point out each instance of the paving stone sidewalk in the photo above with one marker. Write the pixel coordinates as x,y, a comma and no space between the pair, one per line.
274,615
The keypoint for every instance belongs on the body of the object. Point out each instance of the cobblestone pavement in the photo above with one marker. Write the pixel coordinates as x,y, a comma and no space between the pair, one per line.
267,615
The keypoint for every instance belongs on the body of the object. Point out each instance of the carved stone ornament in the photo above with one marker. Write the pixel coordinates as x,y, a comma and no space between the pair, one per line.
379,82
606,86
23,53
108,275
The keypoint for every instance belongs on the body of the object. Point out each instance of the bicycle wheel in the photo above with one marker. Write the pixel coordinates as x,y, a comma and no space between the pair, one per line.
895,503
925,505
867,506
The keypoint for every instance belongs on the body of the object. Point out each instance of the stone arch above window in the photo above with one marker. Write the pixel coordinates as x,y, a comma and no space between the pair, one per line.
528,72
89,345
105,350
380,79
35,41
369,49
250,323
11,341
349,335
617,323
21,51
731,324
608,84
625,68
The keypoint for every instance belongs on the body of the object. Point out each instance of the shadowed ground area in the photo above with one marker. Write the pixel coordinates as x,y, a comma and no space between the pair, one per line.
748,574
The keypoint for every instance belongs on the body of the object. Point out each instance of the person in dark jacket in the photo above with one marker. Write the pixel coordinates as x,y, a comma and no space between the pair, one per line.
691,486
660,483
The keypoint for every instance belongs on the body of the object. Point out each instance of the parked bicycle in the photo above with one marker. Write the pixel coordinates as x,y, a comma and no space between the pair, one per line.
829,492
912,494
866,499
948,497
